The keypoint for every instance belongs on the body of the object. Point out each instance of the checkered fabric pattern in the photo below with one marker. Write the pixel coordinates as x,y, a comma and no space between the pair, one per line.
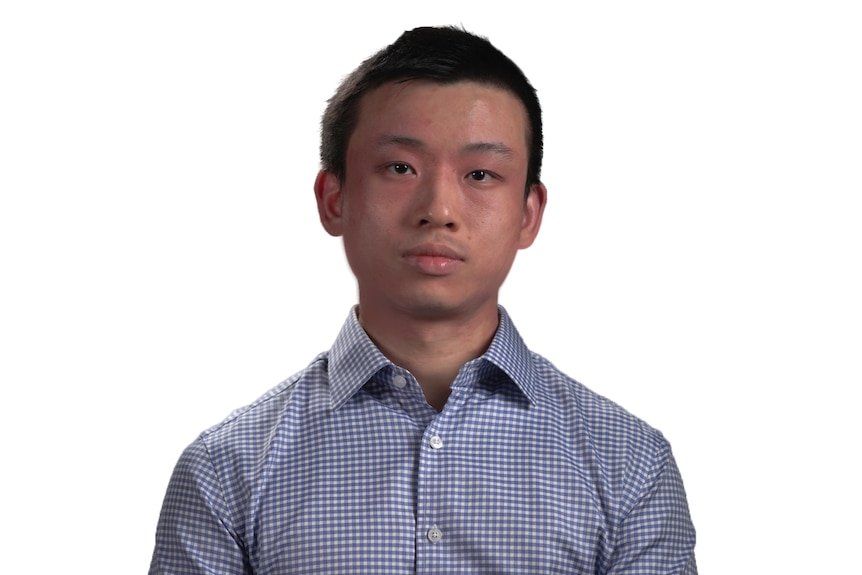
344,468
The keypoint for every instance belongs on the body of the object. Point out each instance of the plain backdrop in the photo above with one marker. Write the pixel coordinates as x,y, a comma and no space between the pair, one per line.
162,261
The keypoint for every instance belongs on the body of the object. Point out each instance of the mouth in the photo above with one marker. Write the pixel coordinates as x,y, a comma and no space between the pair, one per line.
434,259
434,250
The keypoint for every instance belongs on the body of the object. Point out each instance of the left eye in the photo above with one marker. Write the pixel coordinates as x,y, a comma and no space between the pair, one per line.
479,175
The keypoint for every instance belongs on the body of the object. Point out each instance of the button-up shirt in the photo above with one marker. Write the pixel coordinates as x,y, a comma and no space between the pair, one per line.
345,468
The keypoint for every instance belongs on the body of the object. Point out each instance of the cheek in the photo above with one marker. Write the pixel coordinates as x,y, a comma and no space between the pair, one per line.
370,220
377,214
370,223
499,218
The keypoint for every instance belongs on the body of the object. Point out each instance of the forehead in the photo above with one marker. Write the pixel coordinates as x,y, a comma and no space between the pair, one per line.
464,112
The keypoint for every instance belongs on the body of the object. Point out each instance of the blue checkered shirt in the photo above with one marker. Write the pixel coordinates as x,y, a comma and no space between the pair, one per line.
344,468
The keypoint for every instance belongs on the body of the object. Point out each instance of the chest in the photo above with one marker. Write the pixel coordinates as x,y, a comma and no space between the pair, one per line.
372,490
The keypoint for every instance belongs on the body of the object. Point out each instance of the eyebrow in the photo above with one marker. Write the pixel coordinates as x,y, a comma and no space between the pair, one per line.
474,147
391,140
493,147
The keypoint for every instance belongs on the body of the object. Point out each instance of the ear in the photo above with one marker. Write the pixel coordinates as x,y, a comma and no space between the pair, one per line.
327,190
534,208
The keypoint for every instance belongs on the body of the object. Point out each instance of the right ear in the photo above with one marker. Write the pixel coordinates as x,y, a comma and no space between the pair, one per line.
327,190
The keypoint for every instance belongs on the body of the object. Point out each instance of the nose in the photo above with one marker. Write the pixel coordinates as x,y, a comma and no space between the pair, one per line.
438,202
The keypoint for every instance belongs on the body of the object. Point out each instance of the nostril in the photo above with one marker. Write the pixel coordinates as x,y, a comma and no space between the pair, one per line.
444,220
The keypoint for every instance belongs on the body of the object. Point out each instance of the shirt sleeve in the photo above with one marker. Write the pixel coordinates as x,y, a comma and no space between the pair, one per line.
657,536
194,534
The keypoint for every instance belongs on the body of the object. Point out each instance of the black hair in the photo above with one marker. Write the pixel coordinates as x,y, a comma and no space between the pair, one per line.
444,55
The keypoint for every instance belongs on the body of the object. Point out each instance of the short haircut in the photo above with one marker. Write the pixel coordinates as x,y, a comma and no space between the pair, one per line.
444,55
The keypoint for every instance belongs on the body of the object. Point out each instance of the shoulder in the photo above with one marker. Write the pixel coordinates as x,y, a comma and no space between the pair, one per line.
234,449
224,467
245,427
626,452
607,418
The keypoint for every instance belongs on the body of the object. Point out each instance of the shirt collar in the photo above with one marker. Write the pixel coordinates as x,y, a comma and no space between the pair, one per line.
354,359
509,353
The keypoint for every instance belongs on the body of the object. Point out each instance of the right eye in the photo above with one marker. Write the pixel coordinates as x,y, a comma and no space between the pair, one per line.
400,168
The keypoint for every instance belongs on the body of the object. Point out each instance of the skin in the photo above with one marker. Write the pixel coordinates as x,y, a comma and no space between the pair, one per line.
432,212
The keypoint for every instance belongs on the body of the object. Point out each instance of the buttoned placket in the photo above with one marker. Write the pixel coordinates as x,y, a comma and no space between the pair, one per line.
437,443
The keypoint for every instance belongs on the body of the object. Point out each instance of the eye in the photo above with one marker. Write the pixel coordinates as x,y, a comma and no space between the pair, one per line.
400,168
479,176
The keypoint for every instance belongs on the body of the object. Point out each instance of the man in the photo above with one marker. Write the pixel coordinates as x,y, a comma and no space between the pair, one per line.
429,439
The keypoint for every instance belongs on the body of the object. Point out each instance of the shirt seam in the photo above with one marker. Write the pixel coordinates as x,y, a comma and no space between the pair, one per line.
228,522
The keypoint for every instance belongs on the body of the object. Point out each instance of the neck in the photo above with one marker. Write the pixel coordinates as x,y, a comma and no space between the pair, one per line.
432,347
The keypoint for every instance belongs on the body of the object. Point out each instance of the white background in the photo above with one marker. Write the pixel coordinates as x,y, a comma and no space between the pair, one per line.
162,262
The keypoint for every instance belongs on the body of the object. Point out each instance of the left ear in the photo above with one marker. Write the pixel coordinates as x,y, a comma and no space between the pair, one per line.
534,208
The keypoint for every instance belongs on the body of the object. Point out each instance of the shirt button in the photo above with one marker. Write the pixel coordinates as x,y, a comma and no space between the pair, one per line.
435,535
435,442
399,381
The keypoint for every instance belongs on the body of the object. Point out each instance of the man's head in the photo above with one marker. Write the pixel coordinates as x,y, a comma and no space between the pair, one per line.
431,154
441,55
